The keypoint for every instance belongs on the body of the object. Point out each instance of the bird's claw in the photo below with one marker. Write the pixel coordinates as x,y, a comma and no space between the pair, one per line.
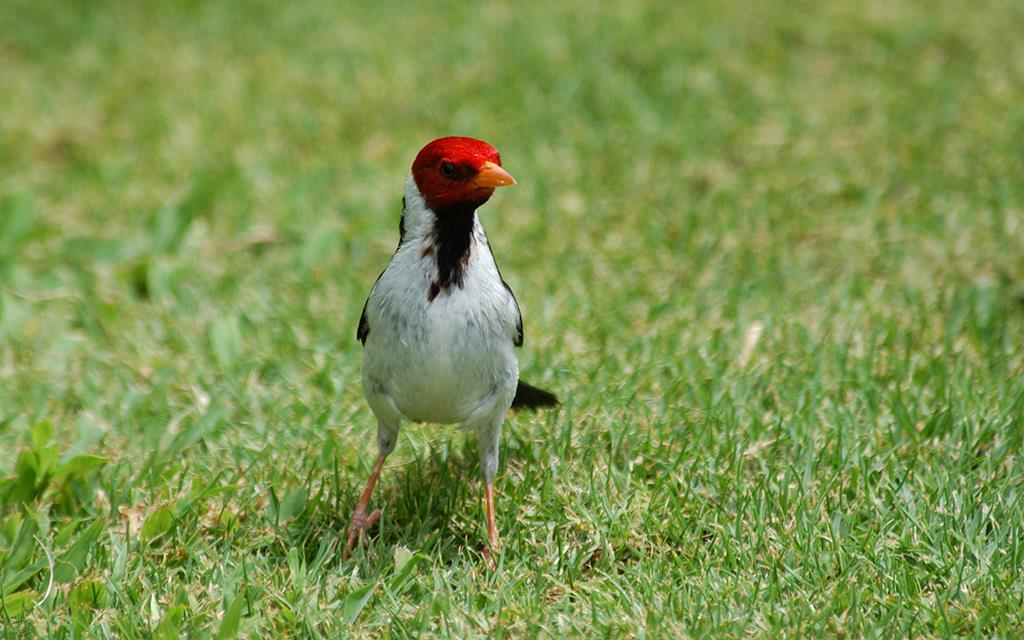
361,523
491,551
489,558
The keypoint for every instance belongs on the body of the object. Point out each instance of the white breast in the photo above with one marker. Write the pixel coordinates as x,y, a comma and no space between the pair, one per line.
448,360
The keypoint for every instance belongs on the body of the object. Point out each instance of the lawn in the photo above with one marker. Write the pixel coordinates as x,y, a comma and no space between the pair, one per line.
769,254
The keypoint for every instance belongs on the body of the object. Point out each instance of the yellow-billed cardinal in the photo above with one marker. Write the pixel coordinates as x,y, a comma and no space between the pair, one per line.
440,327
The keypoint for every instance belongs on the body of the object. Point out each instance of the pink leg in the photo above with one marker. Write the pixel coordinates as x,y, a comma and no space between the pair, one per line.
492,530
360,521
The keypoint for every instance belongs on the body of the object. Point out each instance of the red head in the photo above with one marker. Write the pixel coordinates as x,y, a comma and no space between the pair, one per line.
458,171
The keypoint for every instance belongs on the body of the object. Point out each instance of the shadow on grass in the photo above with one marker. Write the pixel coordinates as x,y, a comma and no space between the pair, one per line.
433,503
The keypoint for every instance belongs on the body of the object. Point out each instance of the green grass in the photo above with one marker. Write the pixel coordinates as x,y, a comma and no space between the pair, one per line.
195,199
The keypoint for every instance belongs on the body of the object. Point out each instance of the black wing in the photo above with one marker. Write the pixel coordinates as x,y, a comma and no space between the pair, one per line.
401,226
364,324
527,396
518,341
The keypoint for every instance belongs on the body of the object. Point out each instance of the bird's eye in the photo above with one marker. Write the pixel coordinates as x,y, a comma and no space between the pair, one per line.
447,170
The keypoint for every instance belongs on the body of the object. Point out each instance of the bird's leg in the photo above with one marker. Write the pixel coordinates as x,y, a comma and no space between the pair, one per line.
361,522
488,436
492,530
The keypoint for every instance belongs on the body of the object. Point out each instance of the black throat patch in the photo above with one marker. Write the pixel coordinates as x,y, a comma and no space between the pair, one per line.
453,237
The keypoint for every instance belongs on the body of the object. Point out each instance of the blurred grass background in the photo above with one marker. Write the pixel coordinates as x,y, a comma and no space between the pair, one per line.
770,254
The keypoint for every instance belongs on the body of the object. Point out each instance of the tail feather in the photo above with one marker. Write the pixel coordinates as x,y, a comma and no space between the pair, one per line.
530,397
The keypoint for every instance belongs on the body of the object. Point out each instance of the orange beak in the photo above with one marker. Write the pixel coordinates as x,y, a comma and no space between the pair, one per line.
491,175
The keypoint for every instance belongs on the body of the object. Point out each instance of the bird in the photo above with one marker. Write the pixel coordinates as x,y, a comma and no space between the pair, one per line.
441,326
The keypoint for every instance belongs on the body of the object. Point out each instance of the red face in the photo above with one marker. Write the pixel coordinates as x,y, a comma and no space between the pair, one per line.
458,171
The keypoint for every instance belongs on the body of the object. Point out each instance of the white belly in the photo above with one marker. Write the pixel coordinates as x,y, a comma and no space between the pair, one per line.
451,377
448,360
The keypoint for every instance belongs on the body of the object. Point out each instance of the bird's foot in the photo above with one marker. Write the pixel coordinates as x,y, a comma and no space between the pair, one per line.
489,557
361,523
491,551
